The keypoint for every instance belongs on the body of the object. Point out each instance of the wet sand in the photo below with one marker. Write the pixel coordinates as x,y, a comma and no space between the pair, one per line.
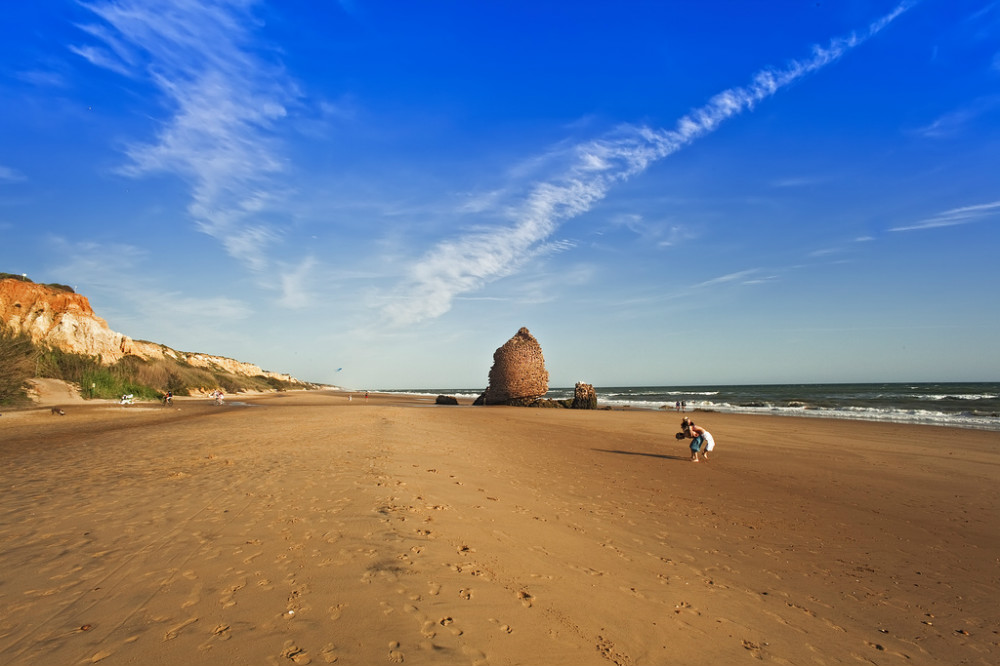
304,528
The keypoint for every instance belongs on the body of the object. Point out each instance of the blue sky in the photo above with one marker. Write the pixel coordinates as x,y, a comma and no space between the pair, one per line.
669,193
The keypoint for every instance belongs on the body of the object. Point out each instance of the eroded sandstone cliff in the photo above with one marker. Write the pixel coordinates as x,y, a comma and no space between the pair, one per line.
62,319
59,319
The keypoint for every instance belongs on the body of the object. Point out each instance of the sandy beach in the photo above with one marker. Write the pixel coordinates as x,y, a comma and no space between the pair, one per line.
306,528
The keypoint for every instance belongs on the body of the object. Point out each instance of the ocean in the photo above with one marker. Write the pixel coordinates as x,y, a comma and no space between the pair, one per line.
961,405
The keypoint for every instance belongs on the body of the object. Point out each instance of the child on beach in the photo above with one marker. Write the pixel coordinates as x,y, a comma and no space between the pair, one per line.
701,439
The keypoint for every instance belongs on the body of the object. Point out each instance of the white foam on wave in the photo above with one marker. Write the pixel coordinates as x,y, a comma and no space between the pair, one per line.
957,396
434,394
661,392
887,415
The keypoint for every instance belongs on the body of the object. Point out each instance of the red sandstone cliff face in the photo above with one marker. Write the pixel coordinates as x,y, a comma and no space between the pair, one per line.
66,321
59,319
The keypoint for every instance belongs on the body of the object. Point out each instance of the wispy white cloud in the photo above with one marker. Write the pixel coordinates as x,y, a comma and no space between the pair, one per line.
101,58
955,216
658,234
797,181
956,121
588,172
9,175
145,301
223,101
43,78
761,280
295,292
116,55
739,276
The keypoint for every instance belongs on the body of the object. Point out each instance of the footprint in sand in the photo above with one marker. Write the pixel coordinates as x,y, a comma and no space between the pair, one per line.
505,628
227,600
295,653
194,597
478,658
525,598
329,653
465,593
176,630
395,656
587,570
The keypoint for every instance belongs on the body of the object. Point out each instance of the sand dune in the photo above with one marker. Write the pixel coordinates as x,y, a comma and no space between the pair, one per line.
303,528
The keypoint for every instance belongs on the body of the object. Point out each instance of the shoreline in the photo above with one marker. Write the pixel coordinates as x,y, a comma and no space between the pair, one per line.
856,410
42,406
54,393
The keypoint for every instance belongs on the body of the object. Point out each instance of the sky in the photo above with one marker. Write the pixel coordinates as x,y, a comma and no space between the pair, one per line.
379,194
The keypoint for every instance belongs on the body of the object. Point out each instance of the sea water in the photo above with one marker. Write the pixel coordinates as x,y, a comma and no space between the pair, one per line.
963,405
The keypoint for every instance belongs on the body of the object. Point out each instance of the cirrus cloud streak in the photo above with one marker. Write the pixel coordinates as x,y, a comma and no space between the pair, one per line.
591,169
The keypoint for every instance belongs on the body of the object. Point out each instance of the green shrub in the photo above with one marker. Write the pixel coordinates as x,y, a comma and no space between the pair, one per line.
52,285
110,383
229,382
17,365
58,364
146,379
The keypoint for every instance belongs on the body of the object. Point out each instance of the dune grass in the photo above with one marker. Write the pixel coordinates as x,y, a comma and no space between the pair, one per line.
145,379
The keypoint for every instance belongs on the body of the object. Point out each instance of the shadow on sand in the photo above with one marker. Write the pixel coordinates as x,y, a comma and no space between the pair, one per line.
640,453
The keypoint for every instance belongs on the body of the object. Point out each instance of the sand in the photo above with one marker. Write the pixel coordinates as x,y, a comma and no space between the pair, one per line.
303,528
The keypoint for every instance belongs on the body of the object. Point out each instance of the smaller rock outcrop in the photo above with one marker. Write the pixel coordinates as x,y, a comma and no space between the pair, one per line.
518,376
446,400
584,396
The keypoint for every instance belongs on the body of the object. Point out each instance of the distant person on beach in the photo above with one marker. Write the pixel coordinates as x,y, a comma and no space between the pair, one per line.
677,405
701,439
684,405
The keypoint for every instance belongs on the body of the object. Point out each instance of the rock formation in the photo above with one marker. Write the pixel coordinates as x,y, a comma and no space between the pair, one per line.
584,396
518,375
57,317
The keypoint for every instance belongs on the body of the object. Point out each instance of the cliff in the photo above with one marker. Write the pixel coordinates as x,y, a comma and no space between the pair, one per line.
56,317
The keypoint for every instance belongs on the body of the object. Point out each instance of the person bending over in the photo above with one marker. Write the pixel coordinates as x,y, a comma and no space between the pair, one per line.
701,439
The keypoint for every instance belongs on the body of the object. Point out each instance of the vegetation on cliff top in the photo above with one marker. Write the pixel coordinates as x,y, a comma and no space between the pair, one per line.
24,278
21,359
